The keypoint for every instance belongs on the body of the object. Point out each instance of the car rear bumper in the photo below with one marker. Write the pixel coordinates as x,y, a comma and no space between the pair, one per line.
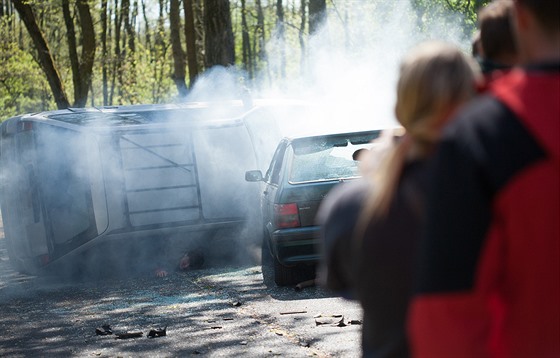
297,245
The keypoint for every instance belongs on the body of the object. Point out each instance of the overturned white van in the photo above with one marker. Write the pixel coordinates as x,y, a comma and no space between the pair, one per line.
76,179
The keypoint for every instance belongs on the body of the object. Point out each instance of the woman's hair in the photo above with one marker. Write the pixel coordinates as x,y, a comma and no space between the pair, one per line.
435,79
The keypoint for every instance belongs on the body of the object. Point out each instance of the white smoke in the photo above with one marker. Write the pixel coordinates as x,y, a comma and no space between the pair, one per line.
348,80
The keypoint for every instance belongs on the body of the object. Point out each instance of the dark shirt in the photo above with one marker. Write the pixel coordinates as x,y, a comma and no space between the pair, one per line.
375,269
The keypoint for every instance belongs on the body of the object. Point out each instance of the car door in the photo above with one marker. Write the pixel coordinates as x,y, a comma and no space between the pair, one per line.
272,181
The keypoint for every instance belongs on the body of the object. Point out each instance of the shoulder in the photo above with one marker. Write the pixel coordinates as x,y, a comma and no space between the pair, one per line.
488,135
482,119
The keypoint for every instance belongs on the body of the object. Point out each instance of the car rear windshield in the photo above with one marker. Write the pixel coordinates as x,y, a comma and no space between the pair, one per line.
325,159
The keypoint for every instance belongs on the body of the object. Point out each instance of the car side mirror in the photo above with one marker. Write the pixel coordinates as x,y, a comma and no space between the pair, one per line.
253,175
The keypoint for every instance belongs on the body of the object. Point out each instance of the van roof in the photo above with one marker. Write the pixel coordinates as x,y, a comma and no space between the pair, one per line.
211,113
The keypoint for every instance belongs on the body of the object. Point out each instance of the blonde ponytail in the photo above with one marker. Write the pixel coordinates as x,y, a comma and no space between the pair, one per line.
435,79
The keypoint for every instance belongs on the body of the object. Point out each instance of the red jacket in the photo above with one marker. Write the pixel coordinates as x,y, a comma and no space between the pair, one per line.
489,278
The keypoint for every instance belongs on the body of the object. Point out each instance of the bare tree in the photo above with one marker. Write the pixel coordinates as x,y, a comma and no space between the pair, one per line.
104,54
82,68
117,50
219,42
44,53
177,48
246,42
260,38
301,35
128,20
190,39
281,37
317,14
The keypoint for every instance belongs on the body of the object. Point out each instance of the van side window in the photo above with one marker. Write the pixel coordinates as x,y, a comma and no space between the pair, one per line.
63,170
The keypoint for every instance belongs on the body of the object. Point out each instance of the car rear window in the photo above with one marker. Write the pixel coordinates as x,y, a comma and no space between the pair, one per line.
324,161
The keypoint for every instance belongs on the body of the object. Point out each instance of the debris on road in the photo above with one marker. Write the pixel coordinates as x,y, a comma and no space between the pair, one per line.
309,283
292,312
331,320
104,330
128,335
157,332
214,327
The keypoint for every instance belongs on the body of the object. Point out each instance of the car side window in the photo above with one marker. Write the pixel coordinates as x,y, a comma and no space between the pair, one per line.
273,173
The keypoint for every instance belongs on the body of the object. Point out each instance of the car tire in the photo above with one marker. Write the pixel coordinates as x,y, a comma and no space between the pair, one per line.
292,275
266,262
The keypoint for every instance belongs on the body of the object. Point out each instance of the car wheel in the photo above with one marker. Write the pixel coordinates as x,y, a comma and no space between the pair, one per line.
292,275
266,262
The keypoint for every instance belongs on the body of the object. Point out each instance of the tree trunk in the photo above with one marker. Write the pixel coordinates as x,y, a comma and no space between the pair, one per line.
148,36
104,57
81,68
260,33
176,48
301,36
198,12
117,50
72,48
280,35
88,52
219,42
246,42
190,39
45,57
317,15
161,53
127,21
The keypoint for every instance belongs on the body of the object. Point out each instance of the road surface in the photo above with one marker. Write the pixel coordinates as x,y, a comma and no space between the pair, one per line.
218,311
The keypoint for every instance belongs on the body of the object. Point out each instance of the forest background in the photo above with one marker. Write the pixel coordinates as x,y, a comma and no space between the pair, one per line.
82,53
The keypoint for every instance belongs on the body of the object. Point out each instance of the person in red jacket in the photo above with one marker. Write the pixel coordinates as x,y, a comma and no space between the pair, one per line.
489,267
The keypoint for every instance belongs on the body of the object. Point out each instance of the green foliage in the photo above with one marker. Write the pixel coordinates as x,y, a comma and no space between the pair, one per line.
144,76
23,87
464,11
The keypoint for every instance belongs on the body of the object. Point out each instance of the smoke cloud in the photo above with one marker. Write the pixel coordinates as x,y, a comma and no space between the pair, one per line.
179,173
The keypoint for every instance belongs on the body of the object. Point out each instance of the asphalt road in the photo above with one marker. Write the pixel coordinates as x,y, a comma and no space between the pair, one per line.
218,311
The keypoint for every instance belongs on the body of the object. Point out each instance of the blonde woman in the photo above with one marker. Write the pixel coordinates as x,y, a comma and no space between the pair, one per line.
371,227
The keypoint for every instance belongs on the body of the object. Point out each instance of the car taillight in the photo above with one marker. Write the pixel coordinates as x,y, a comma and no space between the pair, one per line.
286,215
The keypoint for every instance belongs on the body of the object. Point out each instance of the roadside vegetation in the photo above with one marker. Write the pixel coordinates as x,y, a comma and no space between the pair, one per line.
78,53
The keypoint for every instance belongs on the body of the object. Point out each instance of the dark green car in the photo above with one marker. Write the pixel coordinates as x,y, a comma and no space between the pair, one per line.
302,172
